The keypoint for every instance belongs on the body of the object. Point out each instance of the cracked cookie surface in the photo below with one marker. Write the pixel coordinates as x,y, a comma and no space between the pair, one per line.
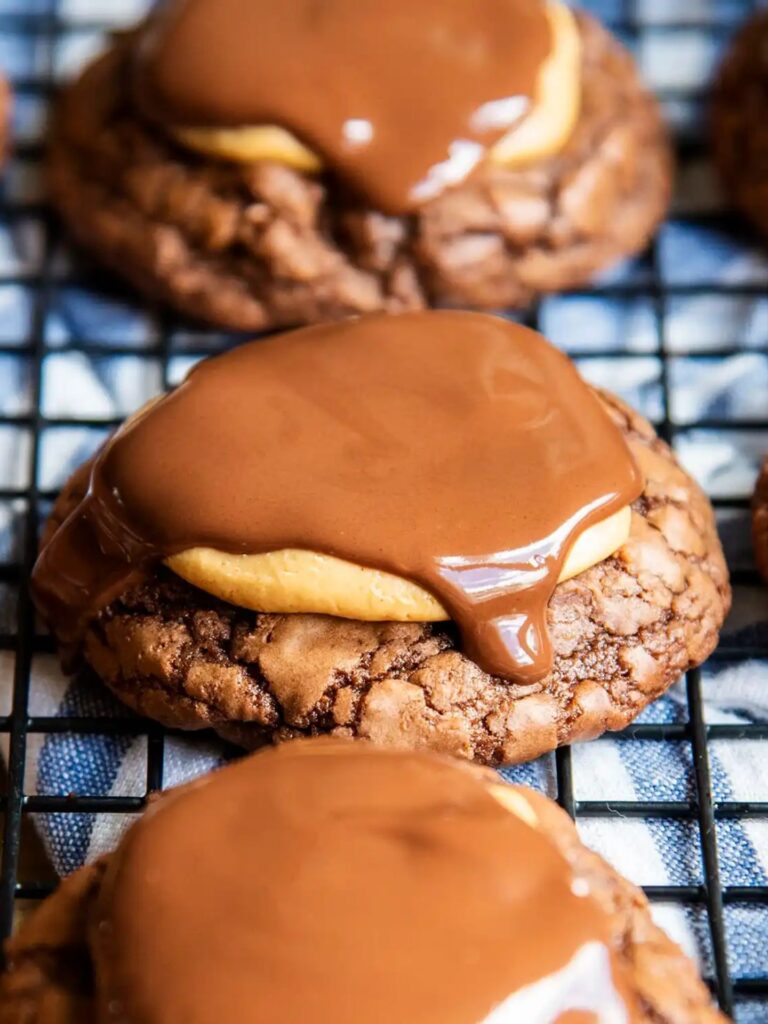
51,976
263,245
623,631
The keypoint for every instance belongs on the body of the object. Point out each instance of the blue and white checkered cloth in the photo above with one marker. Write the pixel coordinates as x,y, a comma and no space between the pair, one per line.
718,303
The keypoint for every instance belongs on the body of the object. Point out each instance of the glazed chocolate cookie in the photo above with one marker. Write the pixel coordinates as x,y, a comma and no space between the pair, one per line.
258,244
760,519
408,652
447,868
739,118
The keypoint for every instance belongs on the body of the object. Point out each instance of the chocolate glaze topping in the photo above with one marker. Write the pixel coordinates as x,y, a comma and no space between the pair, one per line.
334,882
455,449
400,98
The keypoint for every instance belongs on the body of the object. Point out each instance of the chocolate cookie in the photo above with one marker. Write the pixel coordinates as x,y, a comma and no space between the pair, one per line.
760,519
622,632
257,245
454,834
739,118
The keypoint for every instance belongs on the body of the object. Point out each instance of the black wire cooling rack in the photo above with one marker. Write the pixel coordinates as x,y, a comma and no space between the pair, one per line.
46,29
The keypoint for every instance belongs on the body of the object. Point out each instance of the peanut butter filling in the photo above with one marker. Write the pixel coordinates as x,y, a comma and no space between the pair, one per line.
456,452
398,100
293,580
543,131
337,882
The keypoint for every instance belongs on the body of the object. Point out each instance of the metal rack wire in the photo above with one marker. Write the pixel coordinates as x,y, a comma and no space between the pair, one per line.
41,25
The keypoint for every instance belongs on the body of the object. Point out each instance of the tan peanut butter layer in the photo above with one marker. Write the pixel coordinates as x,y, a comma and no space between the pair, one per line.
399,99
296,581
337,882
458,450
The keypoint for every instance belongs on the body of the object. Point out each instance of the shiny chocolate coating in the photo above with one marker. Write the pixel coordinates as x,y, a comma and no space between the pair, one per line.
459,450
400,99
330,881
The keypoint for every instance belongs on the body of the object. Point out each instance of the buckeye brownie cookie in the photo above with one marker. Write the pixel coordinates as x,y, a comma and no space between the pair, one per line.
740,121
422,529
257,164
361,884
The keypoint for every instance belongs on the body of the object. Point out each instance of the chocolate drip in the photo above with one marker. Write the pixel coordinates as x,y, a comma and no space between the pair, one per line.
400,99
455,449
334,882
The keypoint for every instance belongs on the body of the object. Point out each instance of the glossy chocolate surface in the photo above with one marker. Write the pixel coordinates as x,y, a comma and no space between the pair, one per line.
336,882
458,450
400,99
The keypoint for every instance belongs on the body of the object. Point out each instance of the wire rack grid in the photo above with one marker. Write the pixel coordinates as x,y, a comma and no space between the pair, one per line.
56,312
